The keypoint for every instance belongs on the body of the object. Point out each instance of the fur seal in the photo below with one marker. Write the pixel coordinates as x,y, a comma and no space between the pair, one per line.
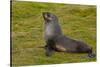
56,41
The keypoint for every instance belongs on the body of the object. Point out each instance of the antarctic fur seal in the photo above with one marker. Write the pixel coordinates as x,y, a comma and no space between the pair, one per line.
56,41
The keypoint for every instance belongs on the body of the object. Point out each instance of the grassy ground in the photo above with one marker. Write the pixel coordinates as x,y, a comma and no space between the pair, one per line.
77,22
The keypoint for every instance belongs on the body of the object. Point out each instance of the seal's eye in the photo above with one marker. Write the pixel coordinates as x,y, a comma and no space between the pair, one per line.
48,15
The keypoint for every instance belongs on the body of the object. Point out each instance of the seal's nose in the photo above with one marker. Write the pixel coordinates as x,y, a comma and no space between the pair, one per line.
46,14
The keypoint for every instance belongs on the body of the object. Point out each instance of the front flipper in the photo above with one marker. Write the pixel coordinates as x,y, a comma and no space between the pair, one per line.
49,51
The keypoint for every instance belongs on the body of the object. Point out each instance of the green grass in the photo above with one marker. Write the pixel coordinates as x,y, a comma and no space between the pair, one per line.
77,22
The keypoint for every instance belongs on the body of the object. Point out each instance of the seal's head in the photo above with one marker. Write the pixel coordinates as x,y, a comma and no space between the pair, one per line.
49,17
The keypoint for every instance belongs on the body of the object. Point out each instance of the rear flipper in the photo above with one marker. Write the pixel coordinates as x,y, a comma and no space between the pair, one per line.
82,47
91,54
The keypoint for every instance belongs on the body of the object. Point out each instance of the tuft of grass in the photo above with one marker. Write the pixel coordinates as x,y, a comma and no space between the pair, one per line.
77,22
